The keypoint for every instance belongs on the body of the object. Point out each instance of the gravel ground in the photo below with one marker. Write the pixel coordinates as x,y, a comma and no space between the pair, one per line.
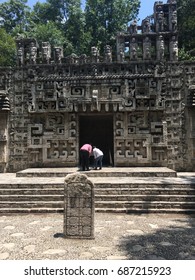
117,237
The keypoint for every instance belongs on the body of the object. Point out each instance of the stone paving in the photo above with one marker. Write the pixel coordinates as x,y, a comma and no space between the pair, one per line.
117,237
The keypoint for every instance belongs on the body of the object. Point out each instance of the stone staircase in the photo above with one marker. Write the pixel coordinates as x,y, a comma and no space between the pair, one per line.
136,190
147,199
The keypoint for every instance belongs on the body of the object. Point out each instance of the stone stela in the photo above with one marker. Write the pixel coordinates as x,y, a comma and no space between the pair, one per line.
78,207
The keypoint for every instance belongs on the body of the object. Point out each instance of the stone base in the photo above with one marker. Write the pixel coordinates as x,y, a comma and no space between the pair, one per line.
105,172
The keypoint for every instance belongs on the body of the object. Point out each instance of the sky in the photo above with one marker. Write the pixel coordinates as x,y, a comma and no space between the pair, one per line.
145,10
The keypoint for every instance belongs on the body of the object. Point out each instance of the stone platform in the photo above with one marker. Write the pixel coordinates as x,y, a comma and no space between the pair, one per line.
105,172
156,190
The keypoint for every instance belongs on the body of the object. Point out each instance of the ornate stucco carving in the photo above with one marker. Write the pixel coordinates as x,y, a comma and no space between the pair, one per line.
149,94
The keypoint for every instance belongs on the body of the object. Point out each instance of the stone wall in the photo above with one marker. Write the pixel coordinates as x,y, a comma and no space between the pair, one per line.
147,101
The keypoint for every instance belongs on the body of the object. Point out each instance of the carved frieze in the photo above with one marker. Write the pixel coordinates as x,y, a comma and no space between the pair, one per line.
147,92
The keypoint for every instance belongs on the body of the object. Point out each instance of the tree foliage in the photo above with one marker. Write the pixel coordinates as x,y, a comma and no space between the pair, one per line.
7,49
64,22
68,18
105,17
186,27
47,32
14,13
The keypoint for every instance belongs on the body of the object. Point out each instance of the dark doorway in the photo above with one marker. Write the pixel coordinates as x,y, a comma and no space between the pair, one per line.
98,130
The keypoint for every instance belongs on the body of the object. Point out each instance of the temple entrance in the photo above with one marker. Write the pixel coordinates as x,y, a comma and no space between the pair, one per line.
98,130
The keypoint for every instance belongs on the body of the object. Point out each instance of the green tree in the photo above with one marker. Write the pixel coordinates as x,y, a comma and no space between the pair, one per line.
64,9
42,13
186,27
7,49
68,17
48,32
184,55
97,25
104,18
14,13
64,20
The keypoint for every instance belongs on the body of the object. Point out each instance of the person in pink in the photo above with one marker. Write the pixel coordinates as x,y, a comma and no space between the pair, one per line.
85,153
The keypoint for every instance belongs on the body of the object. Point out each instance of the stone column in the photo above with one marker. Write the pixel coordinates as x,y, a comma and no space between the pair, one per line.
78,207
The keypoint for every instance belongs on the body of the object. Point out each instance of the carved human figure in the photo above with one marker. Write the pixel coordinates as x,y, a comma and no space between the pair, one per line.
33,53
133,49
174,49
147,48
73,58
146,26
160,21
108,53
94,54
20,54
174,20
133,27
46,52
122,54
58,53
160,48
83,59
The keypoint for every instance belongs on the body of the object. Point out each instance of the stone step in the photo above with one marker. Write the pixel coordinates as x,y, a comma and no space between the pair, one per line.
105,172
147,204
106,198
26,191
141,211
102,210
131,205
32,198
100,190
155,198
182,190
25,210
31,204
32,187
112,194
104,185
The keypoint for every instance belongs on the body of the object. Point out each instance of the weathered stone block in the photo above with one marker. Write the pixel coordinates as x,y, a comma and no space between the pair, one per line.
78,207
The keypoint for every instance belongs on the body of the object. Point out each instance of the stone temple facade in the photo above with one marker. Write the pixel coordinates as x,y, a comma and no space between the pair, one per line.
136,103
